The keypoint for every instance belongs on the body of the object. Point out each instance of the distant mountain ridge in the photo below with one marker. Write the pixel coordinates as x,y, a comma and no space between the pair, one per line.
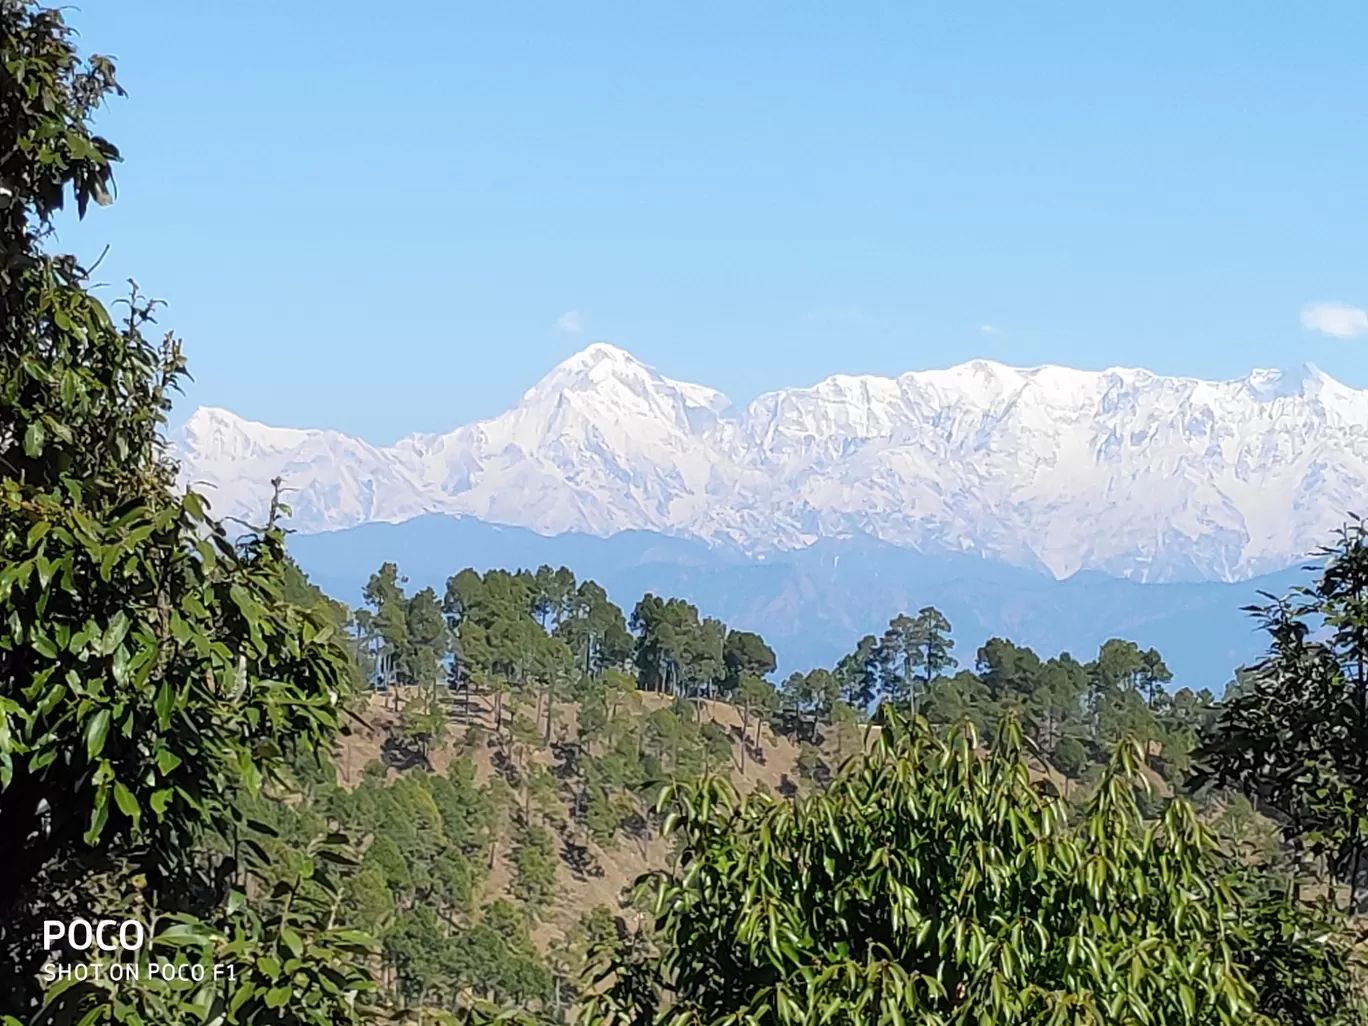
1122,472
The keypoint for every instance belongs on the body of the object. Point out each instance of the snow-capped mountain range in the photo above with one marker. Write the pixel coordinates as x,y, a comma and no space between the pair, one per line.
1120,471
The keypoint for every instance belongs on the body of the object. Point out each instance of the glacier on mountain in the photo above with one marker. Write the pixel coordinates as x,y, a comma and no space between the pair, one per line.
1119,471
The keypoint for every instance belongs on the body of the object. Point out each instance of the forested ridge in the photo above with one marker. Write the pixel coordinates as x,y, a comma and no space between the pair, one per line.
514,801
557,719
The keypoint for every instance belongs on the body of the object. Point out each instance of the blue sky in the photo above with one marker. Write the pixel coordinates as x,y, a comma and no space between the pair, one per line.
374,217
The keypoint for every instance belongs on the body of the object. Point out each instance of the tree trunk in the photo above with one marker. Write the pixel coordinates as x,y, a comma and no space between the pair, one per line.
1355,839
1362,719
745,731
549,707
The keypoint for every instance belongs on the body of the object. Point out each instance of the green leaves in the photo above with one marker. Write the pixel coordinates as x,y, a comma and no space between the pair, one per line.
127,804
932,883
34,436
96,733
99,815
186,933
122,605
114,633
1293,731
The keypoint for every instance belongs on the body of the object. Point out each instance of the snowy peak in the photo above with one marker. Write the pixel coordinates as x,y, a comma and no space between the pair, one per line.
590,368
332,480
610,376
1306,381
1121,471
981,382
210,430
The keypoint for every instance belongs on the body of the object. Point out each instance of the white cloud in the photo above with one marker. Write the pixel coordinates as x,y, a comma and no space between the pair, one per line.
988,329
1336,319
571,321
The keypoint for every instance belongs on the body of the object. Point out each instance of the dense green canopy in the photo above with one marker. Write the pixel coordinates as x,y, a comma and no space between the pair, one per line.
153,670
934,883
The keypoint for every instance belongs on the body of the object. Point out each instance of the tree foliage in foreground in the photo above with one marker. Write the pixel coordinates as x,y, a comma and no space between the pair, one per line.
930,883
151,670
1294,734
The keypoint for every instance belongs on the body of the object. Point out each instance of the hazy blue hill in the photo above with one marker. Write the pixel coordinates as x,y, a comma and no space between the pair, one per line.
813,604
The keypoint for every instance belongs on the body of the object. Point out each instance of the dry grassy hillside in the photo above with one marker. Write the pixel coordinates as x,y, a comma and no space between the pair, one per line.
772,763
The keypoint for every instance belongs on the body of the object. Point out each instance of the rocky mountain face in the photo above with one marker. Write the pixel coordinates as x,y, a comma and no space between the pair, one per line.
1119,471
